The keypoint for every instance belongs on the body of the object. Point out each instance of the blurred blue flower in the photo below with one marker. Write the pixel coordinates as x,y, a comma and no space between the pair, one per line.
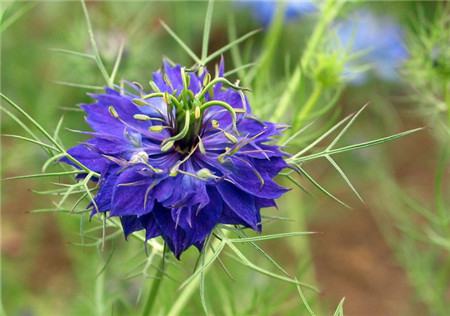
180,160
379,40
264,10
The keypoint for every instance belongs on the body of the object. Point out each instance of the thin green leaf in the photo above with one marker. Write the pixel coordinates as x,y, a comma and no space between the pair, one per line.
322,137
5,23
77,85
222,50
357,146
207,28
98,58
40,175
181,43
344,176
30,140
21,124
265,254
269,237
72,52
58,128
50,160
202,268
346,127
340,308
321,188
117,62
238,69
296,134
305,301
248,263
106,263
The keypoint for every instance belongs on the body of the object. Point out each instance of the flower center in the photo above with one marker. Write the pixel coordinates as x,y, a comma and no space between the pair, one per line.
186,109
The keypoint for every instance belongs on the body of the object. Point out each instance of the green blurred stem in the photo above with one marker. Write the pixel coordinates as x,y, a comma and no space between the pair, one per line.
99,294
308,107
155,286
301,246
189,289
329,12
447,101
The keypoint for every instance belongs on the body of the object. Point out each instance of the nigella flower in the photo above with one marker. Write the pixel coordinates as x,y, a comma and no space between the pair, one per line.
182,158
379,40
264,10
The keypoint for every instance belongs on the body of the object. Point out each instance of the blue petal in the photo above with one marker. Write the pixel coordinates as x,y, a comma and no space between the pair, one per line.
131,194
240,203
89,157
131,224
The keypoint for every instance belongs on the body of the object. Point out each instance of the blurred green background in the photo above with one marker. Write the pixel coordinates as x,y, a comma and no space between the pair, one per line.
388,256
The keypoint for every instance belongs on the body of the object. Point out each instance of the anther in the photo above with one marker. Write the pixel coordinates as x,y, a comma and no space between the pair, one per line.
113,112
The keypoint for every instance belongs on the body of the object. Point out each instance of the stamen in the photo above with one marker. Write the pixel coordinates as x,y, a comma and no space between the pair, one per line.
113,112
230,137
206,174
157,128
167,146
139,102
197,112
143,117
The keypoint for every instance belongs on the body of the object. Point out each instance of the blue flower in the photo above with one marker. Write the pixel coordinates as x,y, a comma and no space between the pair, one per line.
380,41
181,159
264,10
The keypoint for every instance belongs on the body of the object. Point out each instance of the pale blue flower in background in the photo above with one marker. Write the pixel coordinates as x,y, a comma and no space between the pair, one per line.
379,41
264,10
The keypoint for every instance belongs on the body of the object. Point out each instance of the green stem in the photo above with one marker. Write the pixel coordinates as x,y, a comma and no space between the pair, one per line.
155,286
447,101
308,107
192,286
330,10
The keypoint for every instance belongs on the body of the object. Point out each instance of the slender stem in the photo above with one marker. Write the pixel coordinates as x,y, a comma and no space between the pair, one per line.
447,101
100,295
330,10
155,286
189,289
308,107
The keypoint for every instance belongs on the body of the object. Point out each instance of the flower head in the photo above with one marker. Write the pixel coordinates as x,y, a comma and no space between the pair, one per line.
379,40
182,158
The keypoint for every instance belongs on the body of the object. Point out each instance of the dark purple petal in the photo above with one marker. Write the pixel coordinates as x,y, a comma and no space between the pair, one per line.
241,204
131,224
